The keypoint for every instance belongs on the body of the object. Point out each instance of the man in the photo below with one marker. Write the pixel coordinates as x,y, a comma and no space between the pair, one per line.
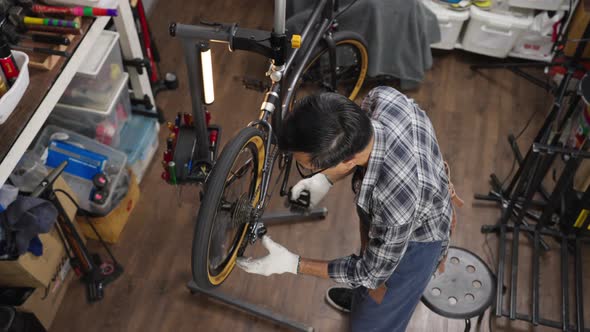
402,200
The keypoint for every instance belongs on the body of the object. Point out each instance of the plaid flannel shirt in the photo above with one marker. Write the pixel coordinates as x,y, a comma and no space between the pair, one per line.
404,190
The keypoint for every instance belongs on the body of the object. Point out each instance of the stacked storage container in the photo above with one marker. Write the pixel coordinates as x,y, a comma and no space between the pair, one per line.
495,33
139,140
508,29
450,23
96,103
536,43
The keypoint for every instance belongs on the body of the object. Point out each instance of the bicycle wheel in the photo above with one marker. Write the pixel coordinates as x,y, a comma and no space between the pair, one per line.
352,61
233,189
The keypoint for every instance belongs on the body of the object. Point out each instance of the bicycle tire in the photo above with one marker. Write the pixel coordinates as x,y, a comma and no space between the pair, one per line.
204,274
342,39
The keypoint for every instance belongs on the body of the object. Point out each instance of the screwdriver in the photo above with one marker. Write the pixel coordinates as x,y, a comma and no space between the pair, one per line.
190,162
41,50
11,33
52,22
76,11
47,39
61,30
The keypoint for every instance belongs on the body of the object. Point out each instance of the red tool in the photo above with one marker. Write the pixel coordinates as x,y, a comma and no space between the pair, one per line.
165,175
207,118
212,143
168,155
187,119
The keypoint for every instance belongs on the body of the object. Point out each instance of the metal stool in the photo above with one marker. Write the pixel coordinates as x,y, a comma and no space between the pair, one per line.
465,290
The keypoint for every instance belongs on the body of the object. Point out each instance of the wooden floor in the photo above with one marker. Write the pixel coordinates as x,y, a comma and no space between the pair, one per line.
472,113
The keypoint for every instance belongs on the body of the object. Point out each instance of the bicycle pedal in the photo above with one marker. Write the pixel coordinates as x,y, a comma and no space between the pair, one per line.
302,202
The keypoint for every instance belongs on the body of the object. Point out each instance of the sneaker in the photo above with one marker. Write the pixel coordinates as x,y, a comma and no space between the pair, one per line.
340,298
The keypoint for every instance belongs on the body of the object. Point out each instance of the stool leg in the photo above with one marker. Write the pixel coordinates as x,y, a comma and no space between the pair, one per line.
480,318
467,324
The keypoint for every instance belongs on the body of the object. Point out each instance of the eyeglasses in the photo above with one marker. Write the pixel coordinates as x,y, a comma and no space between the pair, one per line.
305,172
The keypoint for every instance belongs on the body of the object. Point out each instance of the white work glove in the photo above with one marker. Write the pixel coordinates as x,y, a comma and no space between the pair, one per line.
279,260
318,186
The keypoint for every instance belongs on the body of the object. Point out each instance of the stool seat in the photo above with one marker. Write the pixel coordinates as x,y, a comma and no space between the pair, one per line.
466,288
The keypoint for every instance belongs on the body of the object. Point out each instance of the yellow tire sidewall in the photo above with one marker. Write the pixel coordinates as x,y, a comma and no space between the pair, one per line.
221,276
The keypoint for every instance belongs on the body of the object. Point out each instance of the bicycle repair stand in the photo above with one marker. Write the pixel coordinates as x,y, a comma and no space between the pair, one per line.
187,162
517,201
267,219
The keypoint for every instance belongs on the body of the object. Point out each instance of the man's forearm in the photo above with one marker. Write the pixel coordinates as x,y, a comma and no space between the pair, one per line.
312,267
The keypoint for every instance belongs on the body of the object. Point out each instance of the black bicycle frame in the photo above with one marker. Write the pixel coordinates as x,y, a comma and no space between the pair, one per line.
277,100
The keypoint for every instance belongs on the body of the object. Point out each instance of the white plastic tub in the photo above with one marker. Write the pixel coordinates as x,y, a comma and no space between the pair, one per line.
495,33
537,4
450,23
12,97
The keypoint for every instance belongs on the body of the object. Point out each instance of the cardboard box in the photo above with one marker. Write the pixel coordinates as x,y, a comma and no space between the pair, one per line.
44,303
32,271
111,226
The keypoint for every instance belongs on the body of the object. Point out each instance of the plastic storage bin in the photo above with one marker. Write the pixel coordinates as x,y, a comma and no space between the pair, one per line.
494,33
102,124
98,79
139,141
537,4
450,23
533,44
11,98
114,166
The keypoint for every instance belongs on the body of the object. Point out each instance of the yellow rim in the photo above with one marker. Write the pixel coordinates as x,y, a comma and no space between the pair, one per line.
364,65
219,278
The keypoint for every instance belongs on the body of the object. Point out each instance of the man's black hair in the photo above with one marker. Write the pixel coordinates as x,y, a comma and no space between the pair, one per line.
328,126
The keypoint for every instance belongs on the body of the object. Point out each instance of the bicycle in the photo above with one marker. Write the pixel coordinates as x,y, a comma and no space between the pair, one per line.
237,186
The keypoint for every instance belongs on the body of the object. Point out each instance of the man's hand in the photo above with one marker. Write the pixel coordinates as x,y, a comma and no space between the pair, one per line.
317,185
279,260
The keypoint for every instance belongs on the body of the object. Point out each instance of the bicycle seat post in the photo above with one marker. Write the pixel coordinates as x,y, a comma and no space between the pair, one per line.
280,12
278,41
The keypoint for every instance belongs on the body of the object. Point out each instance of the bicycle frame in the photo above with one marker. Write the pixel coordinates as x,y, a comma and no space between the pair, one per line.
284,72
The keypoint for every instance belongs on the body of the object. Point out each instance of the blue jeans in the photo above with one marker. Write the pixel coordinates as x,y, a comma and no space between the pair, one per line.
404,289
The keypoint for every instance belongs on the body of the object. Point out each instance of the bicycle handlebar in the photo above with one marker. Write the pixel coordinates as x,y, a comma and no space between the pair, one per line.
269,44
220,33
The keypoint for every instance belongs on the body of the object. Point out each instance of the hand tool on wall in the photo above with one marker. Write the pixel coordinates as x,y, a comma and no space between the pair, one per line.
75,11
13,36
18,17
60,30
42,50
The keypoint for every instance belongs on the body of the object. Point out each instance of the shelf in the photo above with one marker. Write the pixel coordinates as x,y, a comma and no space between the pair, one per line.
17,133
